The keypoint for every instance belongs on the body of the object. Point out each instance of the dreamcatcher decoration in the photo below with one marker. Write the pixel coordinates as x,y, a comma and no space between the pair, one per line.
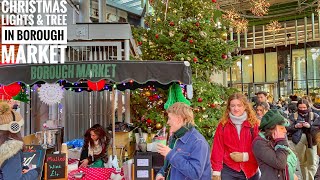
50,93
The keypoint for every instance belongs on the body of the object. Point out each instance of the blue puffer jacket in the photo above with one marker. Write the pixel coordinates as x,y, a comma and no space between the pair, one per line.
11,158
190,158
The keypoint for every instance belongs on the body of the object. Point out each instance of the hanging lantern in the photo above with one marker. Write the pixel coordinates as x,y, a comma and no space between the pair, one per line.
96,86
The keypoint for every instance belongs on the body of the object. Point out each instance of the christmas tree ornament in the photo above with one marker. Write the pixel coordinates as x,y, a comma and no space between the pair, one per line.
224,56
158,19
190,41
195,59
197,24
214,1
139,43
224,36
171,23
199,99
148,93
157,36
50,93
158,126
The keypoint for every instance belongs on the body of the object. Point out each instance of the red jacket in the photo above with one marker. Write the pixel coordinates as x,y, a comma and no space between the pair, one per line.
226,141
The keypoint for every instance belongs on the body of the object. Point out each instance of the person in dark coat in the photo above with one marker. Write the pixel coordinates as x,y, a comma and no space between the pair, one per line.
11,145
275,159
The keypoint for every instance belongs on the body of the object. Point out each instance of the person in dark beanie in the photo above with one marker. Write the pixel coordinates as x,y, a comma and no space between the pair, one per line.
301,126
275,159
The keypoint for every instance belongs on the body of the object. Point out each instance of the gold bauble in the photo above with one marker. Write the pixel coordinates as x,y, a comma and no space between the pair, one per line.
158,126
224,36
148,93
158,19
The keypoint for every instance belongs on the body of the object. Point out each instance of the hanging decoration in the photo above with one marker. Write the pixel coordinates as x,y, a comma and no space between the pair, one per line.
22,97
7,92
241,25
274,26
50,93
96,86
259,7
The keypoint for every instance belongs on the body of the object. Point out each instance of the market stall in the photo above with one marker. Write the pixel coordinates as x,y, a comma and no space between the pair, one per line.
118,75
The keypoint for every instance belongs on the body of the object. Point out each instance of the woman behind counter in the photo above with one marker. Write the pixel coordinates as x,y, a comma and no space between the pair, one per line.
94,150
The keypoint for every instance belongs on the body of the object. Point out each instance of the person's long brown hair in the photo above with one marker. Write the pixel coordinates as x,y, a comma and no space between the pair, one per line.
248,108
103,137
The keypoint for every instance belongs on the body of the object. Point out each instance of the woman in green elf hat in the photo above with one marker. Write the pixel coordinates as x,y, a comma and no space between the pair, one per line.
188,153
275,159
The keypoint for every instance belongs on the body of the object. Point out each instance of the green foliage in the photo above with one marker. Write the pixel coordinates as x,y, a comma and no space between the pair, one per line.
187,31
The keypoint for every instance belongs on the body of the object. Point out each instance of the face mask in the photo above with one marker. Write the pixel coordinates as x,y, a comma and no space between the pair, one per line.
303,111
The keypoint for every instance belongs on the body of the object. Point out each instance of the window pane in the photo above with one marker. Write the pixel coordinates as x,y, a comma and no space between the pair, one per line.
299,88
236,72
272,67
298,65
247,69
259,70
313,63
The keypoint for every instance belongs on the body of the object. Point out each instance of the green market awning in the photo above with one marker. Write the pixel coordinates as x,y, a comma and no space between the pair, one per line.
119,72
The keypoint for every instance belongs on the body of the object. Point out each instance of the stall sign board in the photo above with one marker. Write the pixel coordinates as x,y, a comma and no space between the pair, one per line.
143,167
33,156
56,166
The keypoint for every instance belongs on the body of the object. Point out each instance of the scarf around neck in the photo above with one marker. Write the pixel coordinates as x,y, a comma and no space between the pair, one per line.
173,139
238,120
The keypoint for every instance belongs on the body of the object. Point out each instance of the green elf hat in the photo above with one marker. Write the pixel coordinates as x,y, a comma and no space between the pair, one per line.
175,95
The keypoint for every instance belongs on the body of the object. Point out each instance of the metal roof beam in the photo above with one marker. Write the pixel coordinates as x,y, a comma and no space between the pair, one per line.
124,8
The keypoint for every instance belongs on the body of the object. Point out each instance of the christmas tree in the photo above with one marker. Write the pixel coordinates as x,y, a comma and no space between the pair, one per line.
180,30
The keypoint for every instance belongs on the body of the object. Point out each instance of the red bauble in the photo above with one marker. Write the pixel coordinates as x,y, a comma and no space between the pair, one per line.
171,23
190,41
224,56
199,99
214,1
212,105
157,36
96,86
197,24
149,121
7,92
139,43
195,59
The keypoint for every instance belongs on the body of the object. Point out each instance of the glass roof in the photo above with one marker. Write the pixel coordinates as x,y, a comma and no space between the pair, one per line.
132,6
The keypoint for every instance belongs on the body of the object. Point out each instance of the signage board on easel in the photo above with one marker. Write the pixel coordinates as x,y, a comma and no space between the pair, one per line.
55,166
33,156
143,167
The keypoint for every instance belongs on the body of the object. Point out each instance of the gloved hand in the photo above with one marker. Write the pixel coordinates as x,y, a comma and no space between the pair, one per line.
216,178
237,156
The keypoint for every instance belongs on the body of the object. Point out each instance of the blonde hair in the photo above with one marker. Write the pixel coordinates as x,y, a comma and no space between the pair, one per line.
183,110
248,108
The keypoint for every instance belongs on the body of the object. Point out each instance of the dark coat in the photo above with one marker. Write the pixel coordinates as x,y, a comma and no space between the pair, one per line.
11,159
297,133
272,163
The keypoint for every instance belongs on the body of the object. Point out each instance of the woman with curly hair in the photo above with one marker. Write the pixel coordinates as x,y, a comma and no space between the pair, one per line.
94,150
232,157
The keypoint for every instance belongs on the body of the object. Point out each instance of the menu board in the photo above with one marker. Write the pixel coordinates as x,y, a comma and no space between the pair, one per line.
56,166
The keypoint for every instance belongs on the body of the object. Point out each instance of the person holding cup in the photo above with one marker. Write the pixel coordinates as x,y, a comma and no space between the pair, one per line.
188,153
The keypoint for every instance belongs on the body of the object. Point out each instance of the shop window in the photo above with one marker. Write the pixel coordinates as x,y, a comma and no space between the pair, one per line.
247,69
313,63
271,67
259,68
299,88
236,72
298,65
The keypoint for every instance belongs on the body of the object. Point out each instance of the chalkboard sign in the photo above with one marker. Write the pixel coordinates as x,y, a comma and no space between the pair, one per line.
56,166
33,156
